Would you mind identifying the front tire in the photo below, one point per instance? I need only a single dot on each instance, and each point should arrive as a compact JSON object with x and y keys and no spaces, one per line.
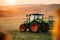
{"x":23,"y":28}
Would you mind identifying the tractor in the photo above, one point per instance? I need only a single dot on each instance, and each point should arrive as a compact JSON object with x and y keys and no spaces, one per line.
{"x":35,"y":23}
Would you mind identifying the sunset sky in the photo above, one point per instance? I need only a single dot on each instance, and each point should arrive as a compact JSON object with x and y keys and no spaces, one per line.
{"x":18,"y":2}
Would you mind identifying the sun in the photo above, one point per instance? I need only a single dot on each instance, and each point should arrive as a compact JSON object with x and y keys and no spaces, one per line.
{"x":10,"y":2}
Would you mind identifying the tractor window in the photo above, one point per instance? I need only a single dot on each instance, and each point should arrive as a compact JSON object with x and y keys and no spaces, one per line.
{"x":31,"y":18}
{"x":40,"y":17}
{"x":36,"y":17}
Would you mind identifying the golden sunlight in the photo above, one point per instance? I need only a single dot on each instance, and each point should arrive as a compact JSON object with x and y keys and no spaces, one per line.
{"x":10,"y":2}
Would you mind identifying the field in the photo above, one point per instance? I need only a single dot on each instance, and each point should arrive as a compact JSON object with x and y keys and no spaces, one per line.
{"x":13,"y":26}
{"x":17,"y":35}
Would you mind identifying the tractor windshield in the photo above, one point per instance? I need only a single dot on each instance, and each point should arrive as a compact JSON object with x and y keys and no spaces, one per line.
{"x":35,"y":17}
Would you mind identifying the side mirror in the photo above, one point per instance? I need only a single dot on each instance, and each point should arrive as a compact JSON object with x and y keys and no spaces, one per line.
{"x":26,"y":15}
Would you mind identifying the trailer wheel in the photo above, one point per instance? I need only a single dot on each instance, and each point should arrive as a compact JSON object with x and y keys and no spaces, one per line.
{"x":22,"y":28}
{"x":34,"y":27}
{"x":44,"y":28}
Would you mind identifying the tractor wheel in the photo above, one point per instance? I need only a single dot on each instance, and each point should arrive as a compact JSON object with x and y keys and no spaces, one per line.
{"x":44,"y":28}
{"x":34,"y":27}
{"x":22,"y":28}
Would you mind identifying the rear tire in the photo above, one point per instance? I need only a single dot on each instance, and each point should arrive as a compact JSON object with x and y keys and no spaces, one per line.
{"x":34,"y":27}
{"x":23,"y":28}
{"x":44,"y":28}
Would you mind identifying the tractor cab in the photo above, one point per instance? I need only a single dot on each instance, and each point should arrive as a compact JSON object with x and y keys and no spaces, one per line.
{"x":34,"y":17}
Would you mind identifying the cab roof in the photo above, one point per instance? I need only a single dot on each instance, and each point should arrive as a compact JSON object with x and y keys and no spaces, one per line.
{"x":35,"y":14}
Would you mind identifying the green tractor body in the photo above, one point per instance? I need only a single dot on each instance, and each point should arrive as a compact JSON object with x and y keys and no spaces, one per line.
{"x":35,"y":23}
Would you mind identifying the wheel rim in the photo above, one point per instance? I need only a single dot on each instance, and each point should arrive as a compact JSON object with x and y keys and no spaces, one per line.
{"x":34,"y":27}
{"x":44,"y":27}
{"x":22,"y":28}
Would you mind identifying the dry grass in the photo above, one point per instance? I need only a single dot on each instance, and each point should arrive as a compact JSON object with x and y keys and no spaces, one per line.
{"x":12,"y":25}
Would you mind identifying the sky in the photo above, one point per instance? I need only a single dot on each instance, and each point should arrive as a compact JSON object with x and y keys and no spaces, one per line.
{"x":19,"y":2}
